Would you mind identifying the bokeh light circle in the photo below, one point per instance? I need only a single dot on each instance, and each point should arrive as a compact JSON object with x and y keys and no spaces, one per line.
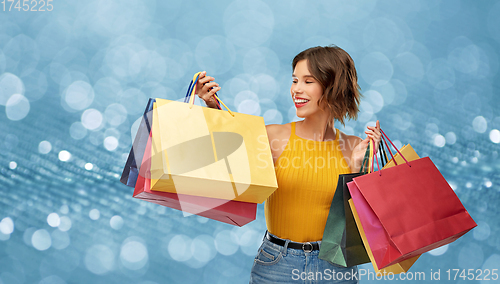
{"x":99,"y":259}
{"x":44,"y":147}
{"x":17,"y":107}
{"x":116,"y":222}
{"x":91,"y":119}
{"x":41,"y":240}
{"x":53,"y":220}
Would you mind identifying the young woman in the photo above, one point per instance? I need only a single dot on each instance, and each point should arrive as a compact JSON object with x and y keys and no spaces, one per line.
{"x":308,"y":156}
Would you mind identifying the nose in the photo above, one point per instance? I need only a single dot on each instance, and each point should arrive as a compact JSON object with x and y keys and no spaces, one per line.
{"x":294,"y":90}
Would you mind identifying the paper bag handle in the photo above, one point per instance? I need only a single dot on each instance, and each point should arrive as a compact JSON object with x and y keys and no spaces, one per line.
{"x":191,"y":94}
{"x":374,"y":154}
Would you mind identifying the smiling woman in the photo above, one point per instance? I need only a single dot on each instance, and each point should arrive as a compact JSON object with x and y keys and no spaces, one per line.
{"x":308,"y":156}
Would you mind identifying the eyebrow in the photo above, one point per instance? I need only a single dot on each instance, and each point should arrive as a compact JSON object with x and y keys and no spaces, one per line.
{"x":311,"y":76}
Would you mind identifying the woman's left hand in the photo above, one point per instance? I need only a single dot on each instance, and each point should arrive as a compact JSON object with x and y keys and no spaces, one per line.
{"x":358,"y":153}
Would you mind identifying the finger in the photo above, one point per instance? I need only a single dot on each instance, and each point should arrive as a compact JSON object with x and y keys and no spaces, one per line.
{"x":210,"y":85}
{"x":206,"y":79}
{"x":202,"y":74}
{"x":378,"y":125}
{"x":214,"y":90}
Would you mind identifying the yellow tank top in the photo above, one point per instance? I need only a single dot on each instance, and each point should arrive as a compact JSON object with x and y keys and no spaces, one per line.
{"x":307,"y":172}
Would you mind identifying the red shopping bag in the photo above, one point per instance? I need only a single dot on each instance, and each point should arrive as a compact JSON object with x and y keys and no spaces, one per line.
{"x":407,"y":210}
{"x":231,"y":212}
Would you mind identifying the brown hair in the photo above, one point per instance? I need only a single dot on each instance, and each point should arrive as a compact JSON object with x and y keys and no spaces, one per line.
{"x":334,"y":69}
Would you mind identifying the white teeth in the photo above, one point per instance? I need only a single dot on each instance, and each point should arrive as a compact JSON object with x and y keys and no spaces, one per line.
{"x":301,"y":101}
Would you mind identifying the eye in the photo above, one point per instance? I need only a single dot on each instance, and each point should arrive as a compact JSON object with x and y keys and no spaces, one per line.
{"x":294,"y":81}
{"x":309,"y":82}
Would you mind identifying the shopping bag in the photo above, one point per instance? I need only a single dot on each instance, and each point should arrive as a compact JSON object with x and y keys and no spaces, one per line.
{"x":414,"y":207}
{"x":341,"y":243}
{"x":397,"y":268}
{"x":212,"y":153}
{"x":403,"y":266}
{"x":134,"y":159}
{"x":231,"y":212}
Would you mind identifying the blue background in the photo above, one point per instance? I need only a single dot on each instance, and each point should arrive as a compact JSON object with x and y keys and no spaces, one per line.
{"x":74,"y":81}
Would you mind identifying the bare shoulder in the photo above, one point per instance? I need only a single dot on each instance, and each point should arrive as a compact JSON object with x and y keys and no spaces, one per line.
{"x":278,"y":131}
{"x":349,"y":141}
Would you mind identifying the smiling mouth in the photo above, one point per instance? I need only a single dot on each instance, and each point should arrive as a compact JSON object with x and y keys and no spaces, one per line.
{"x":300,"y":102}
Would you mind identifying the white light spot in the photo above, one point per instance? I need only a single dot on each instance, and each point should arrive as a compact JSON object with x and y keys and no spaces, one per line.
{"x":273,"y":116}
{"x":10,"y":85}
{"x":439,"y":251}
{"x":468,"y":185}
{"x":65,"y":223}
{"x":439,"y":140}
{"x":226,"y":242}
{"x":44,"y":147}
{"x":133,"y":254}
{"x":12,"y":165}
{"x":116,"y":222}
{"x":453,"y":185}
{"x":64,"y":209}
{"x":376,"y":100}
{"x":488,"y":183}
{"x":115,"y":114}
{"x":77,"y":130}
{"x":91,"y":119}
{"x":17,"y":107}
{"x":450,"y":138}
{"x":64,"y":156}
{"x":99,"y":259}
{"x":79,"y":95}
{"x":454,"y":160}
{"x":7,"y":226}
{"x":94,"y":214}
{"x":482,"y":231}
{"x":89,"y":166}
{"x":53,"y":220}
{"x":110,"y":143}
{"x":28,"y":233}
{"x":376,"y":68}
{"x":202,"y":248}
{"x":249,"y":107}
{"x":41,"y":240}
{"x":249,"y":242}
{"x":201,"y":219}
{"x":479,"y":124}
{"x":179,"y":248}
{"x":60,"y":239}
{"x":495,"y":136}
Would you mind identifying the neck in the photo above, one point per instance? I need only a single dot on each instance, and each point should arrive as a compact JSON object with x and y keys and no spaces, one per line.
{"x":316,"y":126}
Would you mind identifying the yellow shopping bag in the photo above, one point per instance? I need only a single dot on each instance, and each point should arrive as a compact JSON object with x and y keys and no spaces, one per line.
{"x":211,"y":153}
{"x":403,"y":266}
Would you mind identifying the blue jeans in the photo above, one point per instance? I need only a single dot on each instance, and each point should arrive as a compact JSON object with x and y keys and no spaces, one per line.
{"x":280,"y":264}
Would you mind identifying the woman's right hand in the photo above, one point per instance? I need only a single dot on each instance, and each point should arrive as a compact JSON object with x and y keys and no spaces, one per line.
{"x":206,"y":88}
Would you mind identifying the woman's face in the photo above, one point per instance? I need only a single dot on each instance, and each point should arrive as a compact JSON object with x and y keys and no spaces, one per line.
{"x":305,"y":90}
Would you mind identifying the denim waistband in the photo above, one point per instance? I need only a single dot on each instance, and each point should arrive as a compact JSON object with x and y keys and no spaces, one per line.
{"x":289,"y":250}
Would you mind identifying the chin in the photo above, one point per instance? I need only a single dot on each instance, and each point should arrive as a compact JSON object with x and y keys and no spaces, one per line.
{"x":300,"y":114}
